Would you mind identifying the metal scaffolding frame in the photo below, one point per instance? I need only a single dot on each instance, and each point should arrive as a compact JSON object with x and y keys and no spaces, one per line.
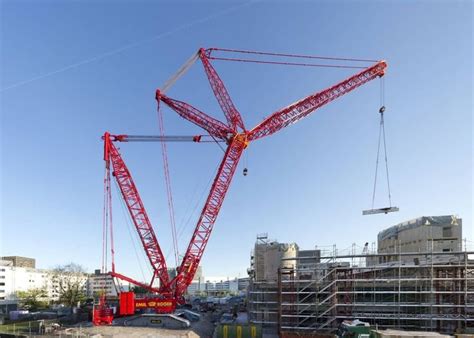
{"x":435,"y":293}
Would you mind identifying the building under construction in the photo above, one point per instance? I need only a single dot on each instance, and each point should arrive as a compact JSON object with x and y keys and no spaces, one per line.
{"x":429,"y":287}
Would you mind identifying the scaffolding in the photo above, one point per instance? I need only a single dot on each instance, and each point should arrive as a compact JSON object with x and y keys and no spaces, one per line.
{"x":431,"y":291}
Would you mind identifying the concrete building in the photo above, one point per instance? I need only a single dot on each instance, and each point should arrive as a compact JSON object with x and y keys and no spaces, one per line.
{"x":99,"y":283}
{"x":423,"y":234}
{"x":267,"y":259}
{"x":198,"y":285}
{"x":268,"y":256}
{"x":15,"y":278}
{"x":19,"y":261}
{"x":420,"y":278}
{"x":243,"y":284}
{"x":3,"y":276}
{"x":230,"y":285}
{"x":306,"y":263}
{"x":221,"y":287}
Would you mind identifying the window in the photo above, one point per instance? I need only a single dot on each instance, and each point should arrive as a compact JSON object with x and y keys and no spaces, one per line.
{"x":446,"y":250}
{"x":447,"y":232}
{"x":2,"y":283}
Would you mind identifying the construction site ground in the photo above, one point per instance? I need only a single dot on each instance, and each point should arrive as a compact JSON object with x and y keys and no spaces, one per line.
{"x":201,"y":328}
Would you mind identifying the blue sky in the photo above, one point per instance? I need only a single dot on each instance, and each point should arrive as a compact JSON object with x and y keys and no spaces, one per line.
{"x":72,"y":70}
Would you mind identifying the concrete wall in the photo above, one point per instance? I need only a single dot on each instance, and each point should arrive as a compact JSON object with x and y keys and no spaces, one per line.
{"x":19,"y":261}
{"x":98,"y":283}
{"x":268,"y":259}
{"x":423,"y":234}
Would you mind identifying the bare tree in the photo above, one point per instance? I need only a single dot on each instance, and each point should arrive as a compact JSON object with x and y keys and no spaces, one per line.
{"x":70,"y":282}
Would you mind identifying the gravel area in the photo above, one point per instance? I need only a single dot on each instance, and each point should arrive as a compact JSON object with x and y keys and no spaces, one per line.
{"x":202,"y":328}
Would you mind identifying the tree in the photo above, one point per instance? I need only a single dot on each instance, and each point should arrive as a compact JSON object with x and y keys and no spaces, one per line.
{"x":33,"y":299}
{"x":138,"y":290}
{"x":70,"y":282}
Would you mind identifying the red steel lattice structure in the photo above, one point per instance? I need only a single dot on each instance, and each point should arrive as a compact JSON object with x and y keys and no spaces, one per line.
{"x":137,"y":212}
{"x":237,"y":138}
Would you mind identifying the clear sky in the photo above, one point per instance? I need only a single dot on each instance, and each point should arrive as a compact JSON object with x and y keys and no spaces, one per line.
{"x":71,"y":70}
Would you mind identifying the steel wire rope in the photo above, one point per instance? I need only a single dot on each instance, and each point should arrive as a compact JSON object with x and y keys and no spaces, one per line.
{"x":301,"y":56}
{"x":104,"y":222}
{"x":133,"y":238}
{"x":382,"y":84}
{"x":286,"y":63}
{"x":183,"y":226}
{"x":169,"y":191}
{"x":381,"y":139}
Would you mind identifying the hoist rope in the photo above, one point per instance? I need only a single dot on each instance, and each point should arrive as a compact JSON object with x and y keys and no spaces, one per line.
{"x":289,"y":55}
{"x":130,"y":227}
{"x":164,"y":154}
{"x":286,"y":63}
{"x":107,"y":225}
{"x":104,"y":223}
{"x":376,"y":166}
{"x":111,"y":223}
{"x":380,"y":139}
{"x":283,"y":55}
{"x":184,"y":224}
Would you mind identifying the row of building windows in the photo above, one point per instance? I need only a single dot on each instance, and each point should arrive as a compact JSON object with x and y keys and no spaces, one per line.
{"x":100,"y":287}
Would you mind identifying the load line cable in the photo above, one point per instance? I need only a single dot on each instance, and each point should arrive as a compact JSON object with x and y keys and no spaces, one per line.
{"x":104,"y":222}
{"x":184,"y":224}
{"x":380,"y":139}
{"x":377,"y":164}
{"x":286,"y":63}
{"x":289,"y":55}
{"x":164,"y":154}
{"x":107,"y":224}
{"x":132,"y":238}
{"x":382,"y":85}
{"x":298,"y":56}
{"x":111,"y":223}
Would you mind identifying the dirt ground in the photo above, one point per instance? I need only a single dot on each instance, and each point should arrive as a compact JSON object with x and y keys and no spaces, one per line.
{"x":122,"y":332}
{"x":202,"y":328}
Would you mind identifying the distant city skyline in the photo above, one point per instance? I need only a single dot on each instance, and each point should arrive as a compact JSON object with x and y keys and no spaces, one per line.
{"x":71,"y":71}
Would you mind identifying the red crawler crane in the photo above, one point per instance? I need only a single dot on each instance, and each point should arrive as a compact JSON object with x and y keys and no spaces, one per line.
{"x":237,"y":137}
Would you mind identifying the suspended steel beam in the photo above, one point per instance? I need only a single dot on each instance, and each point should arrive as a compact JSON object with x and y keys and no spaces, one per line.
{"x":380,"y":211}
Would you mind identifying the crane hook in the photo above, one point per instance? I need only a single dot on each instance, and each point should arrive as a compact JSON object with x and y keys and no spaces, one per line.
{"x":245,"y":171}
